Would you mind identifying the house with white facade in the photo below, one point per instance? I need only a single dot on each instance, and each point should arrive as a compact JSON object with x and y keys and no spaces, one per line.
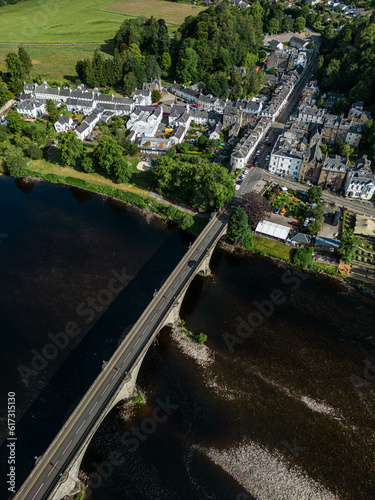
{"x":285,"y":158}
{"x":360,"y":181}
{"x":144,"y":120}
{"x":31,"y":108}
{"x":298,"y":43}
{"x":276,"y":44}
{"x":88,"y":124}
{"x":142,"y":97}
{"x":215,"y":131}
{"x":311,"y":114}
{"x":186,"y":93}
{"x":244,"y":149}
{"x":63,"y":124}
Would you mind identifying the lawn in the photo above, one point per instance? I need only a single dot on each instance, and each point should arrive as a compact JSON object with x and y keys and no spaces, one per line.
{"x":44,"y":167}
{"x":271,"y":247}
{"x":83,"y":21}
{"x":58,"y":21}
{"x":173,"y":13}
{"x":52,"y":63}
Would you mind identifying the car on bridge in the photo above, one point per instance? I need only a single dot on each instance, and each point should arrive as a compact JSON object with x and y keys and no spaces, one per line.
{"x":175,"y":202}
{"x":192,"y":263}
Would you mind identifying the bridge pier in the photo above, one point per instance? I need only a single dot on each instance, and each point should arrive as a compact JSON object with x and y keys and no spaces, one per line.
{"x":204,"y":267}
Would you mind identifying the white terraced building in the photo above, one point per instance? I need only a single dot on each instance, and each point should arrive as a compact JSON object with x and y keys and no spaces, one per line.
{"x":31,"y":108}
{"x":144,"y":121}
{"x":285,"y":159}
{"x":360,"y":182}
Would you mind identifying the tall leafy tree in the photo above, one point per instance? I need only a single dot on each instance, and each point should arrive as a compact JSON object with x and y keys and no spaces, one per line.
{"x":15,"y":163}
{"x":98,"y":68}
{"x":302,"y":257}
{"x":256,"y":207}
{"x":315,"y":193}
{"x":349,"y":245}
{"x":25,"y":59}
{"x":70,"y":147}
{"x":3,"y":93}
{"x":238,"y":226}
{"x":15,"y":121}
{"x":14,"y":67}
{"x":108,"y":154}
{"x":52,"y":110}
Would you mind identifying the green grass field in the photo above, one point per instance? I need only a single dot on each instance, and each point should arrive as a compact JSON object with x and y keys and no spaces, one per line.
{"x":271,"y":247}
{"x":172,"y":12}
{"x":81,"y":21}
{"x":52,"y":63}
{"x":85,"y":22}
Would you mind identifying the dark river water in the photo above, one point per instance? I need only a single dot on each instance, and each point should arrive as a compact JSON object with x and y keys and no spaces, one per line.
{"x":288,"y":395}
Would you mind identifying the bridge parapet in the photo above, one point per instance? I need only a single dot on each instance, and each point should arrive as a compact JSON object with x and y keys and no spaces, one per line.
{"x":69,"y":482}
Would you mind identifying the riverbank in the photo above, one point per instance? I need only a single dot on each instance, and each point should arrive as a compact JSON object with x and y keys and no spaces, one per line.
{"x":135,"y":197}
{"x":318,"y":270}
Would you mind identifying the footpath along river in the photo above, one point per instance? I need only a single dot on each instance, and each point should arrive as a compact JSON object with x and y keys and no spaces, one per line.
{"x":278,"y":405}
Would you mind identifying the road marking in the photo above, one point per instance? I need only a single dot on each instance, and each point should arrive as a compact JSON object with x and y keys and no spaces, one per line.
{"x":92,"y":408}
{"x":70,"y":442}
{"x":144,"y":330}
{"x":40,"y":487}
{"x":105,"y":390}
{"x":52,"y":469}
{"x":154,"y":316}
{"x":116,"y":372}
{"x":79,"y":428}
{"x":160,"y":306}
{"x":136,"y":344}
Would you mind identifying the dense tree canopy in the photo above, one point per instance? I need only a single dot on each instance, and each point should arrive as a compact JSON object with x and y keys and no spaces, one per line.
{"x":108,"y":155}
{"x":255,"y":206}
{"x":303,"y":257}
{"x":238,"y":226}
{"x":202,"y":186}
{"x":15,"y":121}
{"x":347,"y":61}
{"x":315,"y":193}
{"x":70,"y":147}
{"x":15,"y":163}
{"x":349,"y":245}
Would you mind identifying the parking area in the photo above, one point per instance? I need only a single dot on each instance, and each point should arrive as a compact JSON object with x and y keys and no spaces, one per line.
{"x":285,"y":37}
{"x":282,"y":219}
{"x":329,"y":231}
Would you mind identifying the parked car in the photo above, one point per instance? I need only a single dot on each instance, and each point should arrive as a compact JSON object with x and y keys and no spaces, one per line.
{"x":294,"y":223}
{"x":237,"y":187}
{"x":239,"y":182}
{"x":267,"y":157}
{"x":246,"y":172}
{"x":190,"y":208}
{"x":175,"y":202}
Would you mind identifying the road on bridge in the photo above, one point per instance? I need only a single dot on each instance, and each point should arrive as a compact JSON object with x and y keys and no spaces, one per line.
{"x":52,"y":466}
